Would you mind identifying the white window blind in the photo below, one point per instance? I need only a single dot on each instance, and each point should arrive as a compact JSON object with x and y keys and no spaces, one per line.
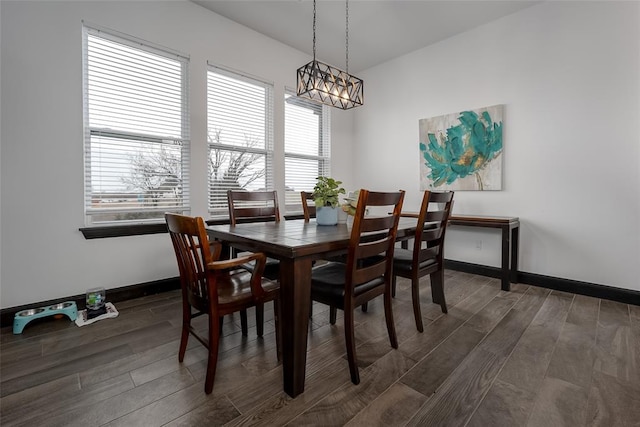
{"x":240,"y":136}
{"x":136,"y":130}
{"x":306,"y":146}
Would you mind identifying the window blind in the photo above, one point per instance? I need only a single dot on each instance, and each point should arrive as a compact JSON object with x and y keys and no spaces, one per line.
{"x":136,"y":130}
{"x":240,"y":135}
{"x":306,"y":145}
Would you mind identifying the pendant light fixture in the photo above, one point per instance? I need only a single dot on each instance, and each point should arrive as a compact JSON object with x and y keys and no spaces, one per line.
{"x":330,"y":85}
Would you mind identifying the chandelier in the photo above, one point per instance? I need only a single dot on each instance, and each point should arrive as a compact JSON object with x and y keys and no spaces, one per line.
{"x":330,"y":85}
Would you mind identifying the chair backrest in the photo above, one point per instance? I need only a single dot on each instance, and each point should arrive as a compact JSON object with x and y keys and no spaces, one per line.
{"x":193,"y":252}
{"x":253,"y":206}
{"x":373,"y":238}
{"x":308,"y":205}
{"x":432,"y":225}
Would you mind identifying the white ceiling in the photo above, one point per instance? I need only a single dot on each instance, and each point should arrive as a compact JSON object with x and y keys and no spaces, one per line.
{"x":379,"y":30}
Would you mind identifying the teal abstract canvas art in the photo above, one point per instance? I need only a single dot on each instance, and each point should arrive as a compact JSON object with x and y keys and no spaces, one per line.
{"x":462,"y":151}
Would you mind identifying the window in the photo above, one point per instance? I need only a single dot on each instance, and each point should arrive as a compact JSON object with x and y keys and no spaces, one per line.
{"x":240,"y":136}
{"x":136,"y":130}
{"x":306,"y":146}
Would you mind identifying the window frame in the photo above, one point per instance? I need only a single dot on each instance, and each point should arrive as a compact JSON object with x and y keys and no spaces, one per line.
{"x":107,"y":228}
{"x":323,"y":142}
{"x":217,"y":213}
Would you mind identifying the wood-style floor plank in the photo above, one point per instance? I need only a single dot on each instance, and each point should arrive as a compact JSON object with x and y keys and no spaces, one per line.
{"x":394,"y":406}
{"x":559,"y":403}
{"x":421,"y":344}
{"x":68,"y":366}
{"x":280,"y":409}
{"x":64,"y":402}
{"x":574,"y":355}
{"x":528,"y":363}
{"x":462,"y":392}
{"x":20,"y":350}
{"x":458,"y":397}
{"x":634,"y":313}
{"x":172,"y":406}
{"x":529,"y":356}
{"x":214,"y":412}
{"x":504,"y":405}
{"x":38,"y":398}
{"x":616,"y":343}
{"x":432,"y":370}
{"x":345,"y":403}
{"x":613,"y":402}
{"x":122,"y":404}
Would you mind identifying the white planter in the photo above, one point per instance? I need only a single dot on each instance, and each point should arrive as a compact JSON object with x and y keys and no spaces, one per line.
{"x":326,"y":215}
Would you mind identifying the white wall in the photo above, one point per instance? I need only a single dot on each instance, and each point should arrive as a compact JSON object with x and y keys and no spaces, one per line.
{"x":44,"y":256}
{"x":568,"y":74}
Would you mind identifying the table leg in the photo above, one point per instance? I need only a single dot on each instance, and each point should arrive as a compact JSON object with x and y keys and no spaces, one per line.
{"x":295,"y":293}
{"x":506,"y":251}
{"x":515,"y":237}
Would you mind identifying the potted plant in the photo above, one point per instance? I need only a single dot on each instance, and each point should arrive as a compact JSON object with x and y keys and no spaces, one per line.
{"x":325,"y":197}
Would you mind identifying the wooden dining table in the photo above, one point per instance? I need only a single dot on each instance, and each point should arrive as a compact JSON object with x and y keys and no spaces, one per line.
{"x":296,"y":244}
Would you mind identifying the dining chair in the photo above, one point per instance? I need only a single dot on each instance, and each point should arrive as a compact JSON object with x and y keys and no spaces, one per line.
{"x":368,"y":270}
{"x":427,"y":255}
{"x":309,"y":211}
{"x":255,"y":206}
{"x":215,"y":287}
{"x":308,"y":205}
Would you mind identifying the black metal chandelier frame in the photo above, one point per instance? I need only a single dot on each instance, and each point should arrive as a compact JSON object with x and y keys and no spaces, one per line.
{"x":327,"y":84}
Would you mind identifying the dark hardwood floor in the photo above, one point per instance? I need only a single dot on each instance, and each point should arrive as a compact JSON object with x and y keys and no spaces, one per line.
{"x":526,"y":357}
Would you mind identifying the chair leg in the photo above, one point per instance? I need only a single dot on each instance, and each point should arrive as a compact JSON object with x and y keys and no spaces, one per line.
{"x":415,"y":297}
{"x":214,"y":336}
{"x":333,"y":314}
{"x":351,"y":345}
{"x":365,"y":307}
{"x":243,"y":323}
{"x":437,"y":289}
{"x":184,"y":337}
{"x":393,"y":285}
{"x":388,"y":316}
{"x":434,"y":294}
{"x":260,"y":319}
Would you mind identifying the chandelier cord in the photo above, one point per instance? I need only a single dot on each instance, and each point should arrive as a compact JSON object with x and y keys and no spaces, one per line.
{"x":347,"y":37}
{"x":314,"y":30}
{"x":327,"y":85}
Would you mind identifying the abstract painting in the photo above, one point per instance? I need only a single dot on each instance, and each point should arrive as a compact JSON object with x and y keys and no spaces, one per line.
{"x":462,"y":151}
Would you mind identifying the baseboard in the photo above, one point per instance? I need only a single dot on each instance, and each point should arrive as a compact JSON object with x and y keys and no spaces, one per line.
{"x":467,"y":267}
{"x":113,"y":295}
{"x":626,"y":296}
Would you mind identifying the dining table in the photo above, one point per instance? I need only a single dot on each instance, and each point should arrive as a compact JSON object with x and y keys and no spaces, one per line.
{"x":296,"y":244}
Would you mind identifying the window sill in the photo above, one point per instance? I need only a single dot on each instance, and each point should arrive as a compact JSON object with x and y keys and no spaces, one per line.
{"x":102,"y":232}
{"x":294,"y":215}
{"x":106,"y":231}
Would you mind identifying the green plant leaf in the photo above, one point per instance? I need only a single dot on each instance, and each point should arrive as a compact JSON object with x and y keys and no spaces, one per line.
{"x":326,"y":191}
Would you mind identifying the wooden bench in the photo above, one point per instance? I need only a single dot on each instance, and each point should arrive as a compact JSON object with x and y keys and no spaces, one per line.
{"x":510,"y":227}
